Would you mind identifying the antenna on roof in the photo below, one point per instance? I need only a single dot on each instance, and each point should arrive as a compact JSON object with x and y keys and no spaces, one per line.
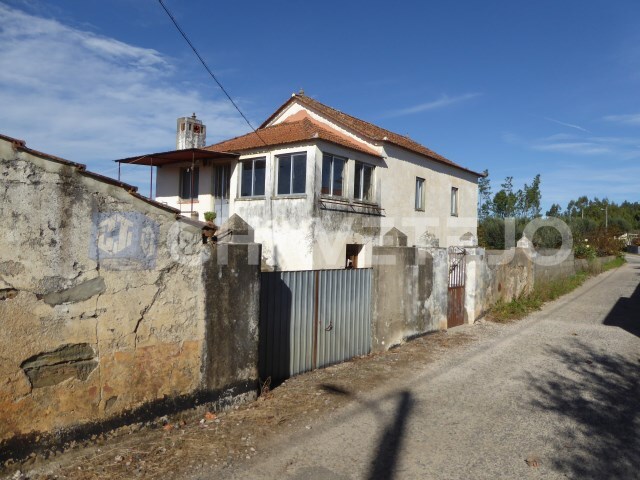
{"x":301,"y":92}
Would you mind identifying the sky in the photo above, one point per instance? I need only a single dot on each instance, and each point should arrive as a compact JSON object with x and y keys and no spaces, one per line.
{"x":518,"y":88}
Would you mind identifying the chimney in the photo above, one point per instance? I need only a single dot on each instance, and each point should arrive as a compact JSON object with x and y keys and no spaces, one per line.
{"x":192,"y":133}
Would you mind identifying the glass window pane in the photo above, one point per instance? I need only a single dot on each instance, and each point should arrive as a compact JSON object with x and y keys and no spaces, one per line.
{"x":454,"y":201}
{"x":284,"y":175}
{"x":419,"y":194}
{"x":338,"y":176}
{"x":196,"y":181}
{"x":299,"y":173}
{"x":326,"y":174}
{"x":367,"y":191}
{"x":259,"y":169}
{"x":185,"y":187}
{"x":356,"y":182}
{"x":245,"y":183}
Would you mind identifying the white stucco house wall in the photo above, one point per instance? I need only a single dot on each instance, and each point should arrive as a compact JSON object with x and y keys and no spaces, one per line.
{"x":320,"y":188}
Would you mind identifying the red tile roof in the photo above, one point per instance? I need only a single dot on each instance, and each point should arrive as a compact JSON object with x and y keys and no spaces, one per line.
{"x":290,"y":132}
{"x":366,"y":129}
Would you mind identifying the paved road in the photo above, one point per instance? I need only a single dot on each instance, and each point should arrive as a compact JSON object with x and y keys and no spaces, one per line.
{"x":560,"y":389}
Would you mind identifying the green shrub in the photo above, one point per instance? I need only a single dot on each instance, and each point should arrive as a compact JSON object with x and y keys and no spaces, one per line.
{"x":605,"y":243}
{"x":582,"y":249}
{"x":547,"y":237}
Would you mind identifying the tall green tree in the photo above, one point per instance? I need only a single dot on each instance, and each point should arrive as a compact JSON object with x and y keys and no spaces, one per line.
{"x":532,"y":198}
{"x":554,"y":211}
{"x":505,"y":201}
{"x":485,"y":203}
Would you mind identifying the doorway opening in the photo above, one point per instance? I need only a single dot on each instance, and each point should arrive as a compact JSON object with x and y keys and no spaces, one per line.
{"x":352,"y":253}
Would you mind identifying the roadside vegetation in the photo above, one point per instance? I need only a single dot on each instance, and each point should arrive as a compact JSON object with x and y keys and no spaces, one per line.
{"x":597,"y":227}
{"x":503,"y":312}
{"x":596,"y":224}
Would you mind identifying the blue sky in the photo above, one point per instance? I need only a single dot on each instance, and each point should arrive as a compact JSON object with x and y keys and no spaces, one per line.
{"x":519,"y":88}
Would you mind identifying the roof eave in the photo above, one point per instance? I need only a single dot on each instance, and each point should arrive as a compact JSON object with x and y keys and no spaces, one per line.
{"x":434,"y":159}
{"x":244,"y":151}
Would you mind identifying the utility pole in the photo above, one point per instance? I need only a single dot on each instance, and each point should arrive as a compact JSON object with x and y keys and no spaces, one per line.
{"x":606,"y":217}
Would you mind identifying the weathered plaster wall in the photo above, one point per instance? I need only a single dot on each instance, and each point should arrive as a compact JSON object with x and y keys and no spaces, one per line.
{"x":503,"y":275}
{"x":495,"y":275}
{"x":106,"y":301}
{"x":280,"y":223}
{"x":409,"y":288}
{"x":595,"y":265}
{"x":398,"y":198}
{"x":547,"y":269}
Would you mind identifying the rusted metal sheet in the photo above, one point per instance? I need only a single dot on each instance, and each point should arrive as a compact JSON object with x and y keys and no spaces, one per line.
{"x":456,"y":292}
{"x":310,"y":319}
{"x":455,"y":313}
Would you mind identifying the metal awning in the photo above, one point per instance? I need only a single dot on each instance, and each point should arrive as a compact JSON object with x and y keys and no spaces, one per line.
{"x":174,"y":157}
{"x":177,"y":156}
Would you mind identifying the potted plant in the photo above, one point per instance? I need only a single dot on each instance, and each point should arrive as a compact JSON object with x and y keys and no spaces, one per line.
{"x":209,"y":217}
{"x":209,"y":232}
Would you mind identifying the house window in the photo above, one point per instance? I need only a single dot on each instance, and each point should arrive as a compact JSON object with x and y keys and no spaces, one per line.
{"x":420,"y":194}
{"x":292,"y":173}
{"x":189,"y":178}
{"x":353,"y":252}
{"x":252,"y":177}
{"x":332,"y":175}
{"x":362,"y":182}
{"x":454,"y":202}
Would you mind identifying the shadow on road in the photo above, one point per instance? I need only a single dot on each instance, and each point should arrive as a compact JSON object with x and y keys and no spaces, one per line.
{"x":599,"y":394}
{"x":386,"y":455}
{"x":626,"y":313}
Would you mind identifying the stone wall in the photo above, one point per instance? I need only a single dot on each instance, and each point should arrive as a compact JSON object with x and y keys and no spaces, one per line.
{"x":493,"y":276}
{"x":110,"y":303}
{"x":595,"y":265}
{"x":409,"y":293}
{"x":547,"y":269}
{"x":503,"y":275}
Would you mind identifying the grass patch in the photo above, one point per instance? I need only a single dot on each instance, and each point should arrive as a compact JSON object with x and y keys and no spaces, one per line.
{"x":526,"y":304}
{"x":615,"y":263}
{"x":522,"y":306}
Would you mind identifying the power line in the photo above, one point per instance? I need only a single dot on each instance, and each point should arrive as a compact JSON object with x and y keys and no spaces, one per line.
{"x":204,"y":64}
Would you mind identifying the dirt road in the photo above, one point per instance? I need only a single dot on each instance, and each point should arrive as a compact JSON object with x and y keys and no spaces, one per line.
{"x":556,"y":395}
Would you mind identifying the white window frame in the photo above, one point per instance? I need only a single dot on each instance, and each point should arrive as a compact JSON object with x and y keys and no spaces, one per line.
{"x":331,"y":170}
{"x":359,"y":196}
{"x":291,"y":156}
{"x":252,"y":161}
{"x":454,"y":201}
{"x":419,"y":200}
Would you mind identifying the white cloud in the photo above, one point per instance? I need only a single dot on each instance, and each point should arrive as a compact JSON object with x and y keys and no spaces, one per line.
{"x":570,"y":125}
{"x":618,"y":182}
{"x":628,"y":119}
{"x":92,"y":99}
{"x":443,"y":101}
{"x":622,"y":148}
{"x":574,"y":148}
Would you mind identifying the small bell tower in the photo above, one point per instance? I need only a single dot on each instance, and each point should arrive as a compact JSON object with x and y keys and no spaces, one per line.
{"x":192,"y":133}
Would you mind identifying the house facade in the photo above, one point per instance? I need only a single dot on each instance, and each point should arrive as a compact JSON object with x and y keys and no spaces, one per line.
{"x":320,"y":188}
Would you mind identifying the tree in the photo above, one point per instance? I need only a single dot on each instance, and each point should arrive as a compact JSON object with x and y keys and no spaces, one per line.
{"x":554,"y":211}
{"x":505,"y":201}
{"x":532,"y":197}
{"x":485,"y":204}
